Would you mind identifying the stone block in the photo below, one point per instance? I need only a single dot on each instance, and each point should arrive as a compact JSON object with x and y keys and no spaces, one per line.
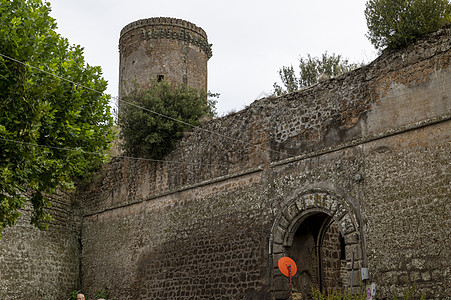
{"x":283,"y":222}
{"x":350,"y":249}
{"x":278,"y":248}
{"x":351,"y":238}
{"x":278,"y":235}
{"x":276,"y":257}
{"x":282,"y":294}
{"x":310,"y":201}
{"x":346,"y":224}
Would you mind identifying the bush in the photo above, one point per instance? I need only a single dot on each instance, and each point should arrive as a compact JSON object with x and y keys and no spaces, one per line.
{"x":336,"y":295}
{"x":408,"y":293}
{"x":395,"y":23}
{"x":310,"y":70}
{"x":146,"y":131}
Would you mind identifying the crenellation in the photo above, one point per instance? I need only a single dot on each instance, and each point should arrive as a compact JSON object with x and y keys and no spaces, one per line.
{"x":174,"y":50}
{"x":164,"y":22}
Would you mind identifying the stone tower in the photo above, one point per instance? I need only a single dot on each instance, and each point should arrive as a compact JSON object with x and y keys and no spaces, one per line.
{"x":163,"y":48}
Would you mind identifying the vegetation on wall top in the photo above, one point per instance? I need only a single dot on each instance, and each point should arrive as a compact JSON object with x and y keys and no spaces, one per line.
{"x":158,"y":118}
{"x":310,"y":71}
{"x":394,"y":23}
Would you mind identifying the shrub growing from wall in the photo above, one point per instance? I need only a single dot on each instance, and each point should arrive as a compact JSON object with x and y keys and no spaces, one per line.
{"x":152,"y":120}
{"x":395,"y":23}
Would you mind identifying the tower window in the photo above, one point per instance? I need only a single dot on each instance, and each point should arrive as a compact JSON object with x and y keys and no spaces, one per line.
{"x":160,"y":78}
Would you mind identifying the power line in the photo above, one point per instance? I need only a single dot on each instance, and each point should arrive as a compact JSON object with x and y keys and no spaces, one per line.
{"x":196,"y":127}
{"x":100,"y":154}
{"x":146,"y":109}
{"x":52,"y":74}
{"x":51,"y":147}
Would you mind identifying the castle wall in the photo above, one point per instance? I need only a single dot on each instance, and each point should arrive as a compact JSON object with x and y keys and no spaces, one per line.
{"x":42,"y":264}
{"x":371,"y":149}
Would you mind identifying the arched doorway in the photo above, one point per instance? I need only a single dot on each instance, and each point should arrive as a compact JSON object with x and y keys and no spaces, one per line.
{"x":320,"y":231}
{"x":319,"y":249}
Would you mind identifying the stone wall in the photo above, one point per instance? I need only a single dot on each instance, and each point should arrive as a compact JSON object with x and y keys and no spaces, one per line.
{"x":332,"y":259}
{"x":190,"y":244}
{"x":42,"y":264}
{"x":370,"y":149}
{"x":408,"y":217}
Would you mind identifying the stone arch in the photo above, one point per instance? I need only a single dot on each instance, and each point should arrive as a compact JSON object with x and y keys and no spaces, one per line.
{"x":299,"y":208}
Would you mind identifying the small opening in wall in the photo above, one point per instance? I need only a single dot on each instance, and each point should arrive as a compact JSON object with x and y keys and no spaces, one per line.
{"x":342,"y":248}
{"x":160,"y":78}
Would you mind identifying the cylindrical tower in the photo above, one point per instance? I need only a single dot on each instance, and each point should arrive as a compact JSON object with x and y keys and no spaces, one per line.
{"x":163,"y":49}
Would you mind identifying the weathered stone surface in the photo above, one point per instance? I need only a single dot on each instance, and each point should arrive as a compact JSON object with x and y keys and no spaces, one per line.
{"x":206,"y":227}
{"x":38,"y":264}
{"x":163,"y":48}
{"x":201,"y":228}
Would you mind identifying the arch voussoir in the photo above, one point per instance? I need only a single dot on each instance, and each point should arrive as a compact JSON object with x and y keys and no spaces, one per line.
{"x":346,"y":224}
{"x":306,"y":204}
{"x":279,"y":234}
{"x":291,"y":211}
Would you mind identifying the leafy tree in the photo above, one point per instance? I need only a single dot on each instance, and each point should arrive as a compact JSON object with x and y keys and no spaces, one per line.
{"x":212,"y":101}
{"x":395,"y":23}
{"x":311,"y":68}
{"x":144,"y":129}
{"x":43,"y":116}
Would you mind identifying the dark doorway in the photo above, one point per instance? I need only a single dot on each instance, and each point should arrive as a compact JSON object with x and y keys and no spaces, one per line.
{"x":318,"y":250}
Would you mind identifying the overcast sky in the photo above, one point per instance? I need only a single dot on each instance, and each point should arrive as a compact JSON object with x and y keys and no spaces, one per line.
{"x":251,"y":39}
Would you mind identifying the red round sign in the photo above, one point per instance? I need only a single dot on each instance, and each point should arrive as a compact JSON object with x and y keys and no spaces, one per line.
{"x":283,"y":264}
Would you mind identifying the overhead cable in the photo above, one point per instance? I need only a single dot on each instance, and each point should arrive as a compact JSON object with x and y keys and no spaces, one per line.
{"x":100,"y":154}
{"x":146,"y":109}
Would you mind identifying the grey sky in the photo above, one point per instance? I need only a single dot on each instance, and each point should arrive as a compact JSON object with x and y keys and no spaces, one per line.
{"x":251,"y":39}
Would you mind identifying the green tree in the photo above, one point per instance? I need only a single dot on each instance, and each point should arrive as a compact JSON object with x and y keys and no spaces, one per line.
{"x":310,"y":69}
{"x":145,"y":130}
{"x":43,"y":116}
{"x":395,"y":23}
